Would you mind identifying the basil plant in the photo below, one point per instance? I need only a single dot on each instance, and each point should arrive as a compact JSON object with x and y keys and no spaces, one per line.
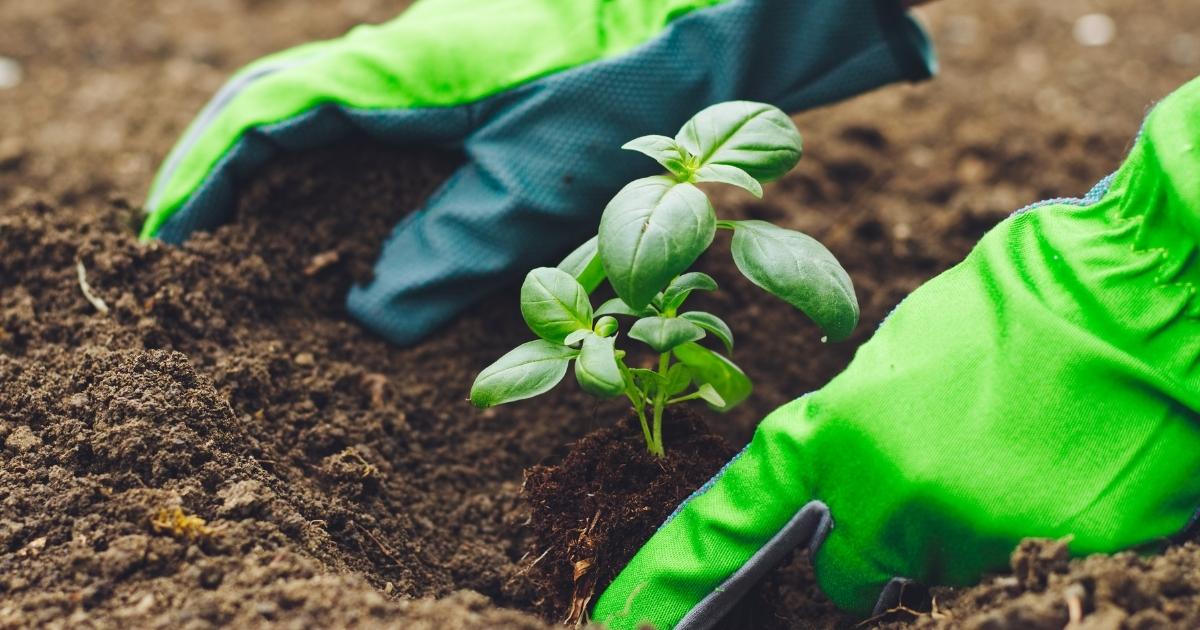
{"x":651,"y":232}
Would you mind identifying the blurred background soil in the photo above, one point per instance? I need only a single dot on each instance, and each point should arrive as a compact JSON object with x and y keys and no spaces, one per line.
{"x":341,"y":478}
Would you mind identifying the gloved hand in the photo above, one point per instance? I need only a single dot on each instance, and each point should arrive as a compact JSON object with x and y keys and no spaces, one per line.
{"x":540,"y":95}
{"x":1047,"y":386}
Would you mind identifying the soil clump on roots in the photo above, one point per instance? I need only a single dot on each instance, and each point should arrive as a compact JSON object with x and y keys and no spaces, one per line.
{"x":594,"y":509}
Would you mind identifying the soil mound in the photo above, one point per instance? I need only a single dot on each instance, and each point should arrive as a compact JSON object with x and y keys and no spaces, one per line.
{"x":209,"y":441}
{"x":593,"y":510}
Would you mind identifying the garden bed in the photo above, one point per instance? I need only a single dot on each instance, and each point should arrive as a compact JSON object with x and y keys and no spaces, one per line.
{"x":336,"y":476}
{"x":344,"y":482}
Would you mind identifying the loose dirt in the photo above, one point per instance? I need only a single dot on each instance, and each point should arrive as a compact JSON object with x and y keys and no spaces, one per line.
{"x":343,"y":482}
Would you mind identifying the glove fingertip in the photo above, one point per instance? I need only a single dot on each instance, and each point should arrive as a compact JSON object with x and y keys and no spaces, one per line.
{"x":211,"y":203}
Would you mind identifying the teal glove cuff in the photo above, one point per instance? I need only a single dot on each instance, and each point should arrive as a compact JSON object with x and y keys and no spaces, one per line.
{"x":540,"y":95}
{"x":1047,"y":386}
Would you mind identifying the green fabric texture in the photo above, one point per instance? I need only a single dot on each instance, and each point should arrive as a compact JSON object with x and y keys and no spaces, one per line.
{"x":1048,"y":385}
{"x":410,"y":62}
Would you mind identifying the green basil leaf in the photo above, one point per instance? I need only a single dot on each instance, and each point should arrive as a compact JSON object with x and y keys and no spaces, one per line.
{"x":528,"y":370}
{"x":664,"y":150}
{"x":664,"y":333}
{"x":652,"y":231}
{"x":605,"y":326}
{"x":709,"y":367}
{"x":647,"y":380}
{"x":799,"y":270}
{"x":596,"y":368}
{"x":617,"y":306}
{"x":554,"y":304}
{"x":712,"y":324}
{"x":726,"y":174}
{"x":754,"y":137}
{"x":710,"y":395}
{"x":576,"y":336}
{"x":631,"y":384}
{"x":584,"y":264}
{"x":681,"y":287}
{"x":678,"y":379}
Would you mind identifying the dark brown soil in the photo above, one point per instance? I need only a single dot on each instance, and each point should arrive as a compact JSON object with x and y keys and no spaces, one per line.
{"x":347,"y":483}
{"x":1046,"y":591}
{"x":225,"y":382}
{"x":592,"y":511}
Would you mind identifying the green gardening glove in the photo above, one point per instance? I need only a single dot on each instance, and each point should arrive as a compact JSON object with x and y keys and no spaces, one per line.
{"x":539,"y":96}
{"x":1047,"y":386}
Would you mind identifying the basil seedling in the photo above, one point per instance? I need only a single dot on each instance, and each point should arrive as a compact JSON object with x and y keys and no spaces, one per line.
{"x":651,"y":232}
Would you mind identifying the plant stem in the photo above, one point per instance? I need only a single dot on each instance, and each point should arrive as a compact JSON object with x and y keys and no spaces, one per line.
{"x":637,"y":398}
{"x":639,"y":407}
{"x":641,"y":412}
{"x":660,"y":403}
{"x":691,"y":396}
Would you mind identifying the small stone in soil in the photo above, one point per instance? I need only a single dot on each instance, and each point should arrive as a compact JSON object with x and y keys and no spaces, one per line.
{"x":10,"y":73}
